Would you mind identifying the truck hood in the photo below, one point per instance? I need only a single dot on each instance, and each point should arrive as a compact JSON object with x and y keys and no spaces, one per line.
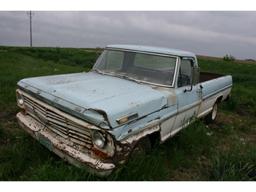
{"x":82,"y":92}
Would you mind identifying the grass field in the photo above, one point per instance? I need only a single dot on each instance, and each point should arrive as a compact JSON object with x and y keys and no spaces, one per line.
{"x":225,"y":150}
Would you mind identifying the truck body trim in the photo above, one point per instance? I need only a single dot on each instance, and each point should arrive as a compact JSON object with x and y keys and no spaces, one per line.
{"x":216,"y":92}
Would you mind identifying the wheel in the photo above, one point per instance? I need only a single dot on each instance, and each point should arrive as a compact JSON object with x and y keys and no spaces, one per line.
{"x":141,"y":148}
{"x":212,"y":115}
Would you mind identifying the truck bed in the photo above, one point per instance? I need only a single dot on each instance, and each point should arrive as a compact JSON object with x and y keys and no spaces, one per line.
{"x":206,"y":76}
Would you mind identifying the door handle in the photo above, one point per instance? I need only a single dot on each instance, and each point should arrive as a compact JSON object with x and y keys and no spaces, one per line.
{"x":200,"y":89}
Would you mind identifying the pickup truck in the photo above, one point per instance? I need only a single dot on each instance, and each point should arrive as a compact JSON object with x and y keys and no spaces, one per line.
{"x":133,"y":97}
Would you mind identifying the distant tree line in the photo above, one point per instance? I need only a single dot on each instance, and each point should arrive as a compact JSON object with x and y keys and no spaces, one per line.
{"x":229,"y":57}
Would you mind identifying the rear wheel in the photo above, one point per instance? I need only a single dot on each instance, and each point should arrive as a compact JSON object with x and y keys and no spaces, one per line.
{"x":212,"y":115}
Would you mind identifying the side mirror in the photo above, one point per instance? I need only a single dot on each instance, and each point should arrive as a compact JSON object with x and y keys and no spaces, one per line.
{"x":196,"y":75}
{"x":191,"y":79}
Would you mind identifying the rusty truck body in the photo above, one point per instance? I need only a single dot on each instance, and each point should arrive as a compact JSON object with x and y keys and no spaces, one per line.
{"x":132,"y":94}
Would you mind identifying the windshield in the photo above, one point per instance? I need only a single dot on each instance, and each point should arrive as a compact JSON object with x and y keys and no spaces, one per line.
{"x":137,"y":66}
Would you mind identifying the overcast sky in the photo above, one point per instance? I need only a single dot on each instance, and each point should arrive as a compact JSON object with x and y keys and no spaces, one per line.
{"x":205,"y":33}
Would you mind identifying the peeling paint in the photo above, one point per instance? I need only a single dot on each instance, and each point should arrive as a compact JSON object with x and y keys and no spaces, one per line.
{"x":37,"y":130}
{"x":153,"y":127}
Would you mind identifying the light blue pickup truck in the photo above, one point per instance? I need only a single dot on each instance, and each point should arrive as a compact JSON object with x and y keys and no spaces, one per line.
{"x":133,"y":97}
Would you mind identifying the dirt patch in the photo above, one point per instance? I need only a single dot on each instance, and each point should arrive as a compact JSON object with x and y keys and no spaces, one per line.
{"x":184,"y":174}
{"x":243,"y":127}
{"x":227,"y":119}
{"x":243,"y":110}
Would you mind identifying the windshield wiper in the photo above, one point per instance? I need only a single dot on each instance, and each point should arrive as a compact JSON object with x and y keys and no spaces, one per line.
{"x":128,"y":78}
{"x":117,"y":75}
{"x":98,"y":71}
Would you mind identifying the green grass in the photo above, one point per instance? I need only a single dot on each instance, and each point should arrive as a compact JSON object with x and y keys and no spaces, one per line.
{"x":225,"y":150}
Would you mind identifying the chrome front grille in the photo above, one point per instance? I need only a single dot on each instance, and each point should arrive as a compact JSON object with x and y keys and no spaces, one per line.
{"x":59,"y":122}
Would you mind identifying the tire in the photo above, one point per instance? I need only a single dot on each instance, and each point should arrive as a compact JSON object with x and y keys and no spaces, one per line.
{"x":141,"y":148}
{"x":211,"y":117}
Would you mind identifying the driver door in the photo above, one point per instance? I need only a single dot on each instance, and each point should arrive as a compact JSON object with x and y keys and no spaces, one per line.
{"x":188,"y":95}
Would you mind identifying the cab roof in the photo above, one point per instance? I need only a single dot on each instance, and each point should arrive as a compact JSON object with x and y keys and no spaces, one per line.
{"x":150,"y":49}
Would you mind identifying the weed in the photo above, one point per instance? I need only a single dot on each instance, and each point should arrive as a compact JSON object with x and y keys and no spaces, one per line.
{"x":235,"y":165}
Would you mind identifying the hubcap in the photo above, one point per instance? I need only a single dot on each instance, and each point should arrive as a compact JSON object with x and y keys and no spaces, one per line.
{"x":214,"y":111}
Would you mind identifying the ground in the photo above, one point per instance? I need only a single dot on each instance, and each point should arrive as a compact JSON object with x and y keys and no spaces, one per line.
{"x":224,"y":150}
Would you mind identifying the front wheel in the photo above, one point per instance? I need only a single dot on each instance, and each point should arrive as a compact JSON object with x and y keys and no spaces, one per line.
{"x":142,"y":148}
{"x":212,"y":115}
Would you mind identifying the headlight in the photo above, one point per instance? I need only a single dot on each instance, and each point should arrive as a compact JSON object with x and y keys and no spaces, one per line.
{"x":98,"y":139}
{"x":103,"y":144}
{"x":20,"y":99}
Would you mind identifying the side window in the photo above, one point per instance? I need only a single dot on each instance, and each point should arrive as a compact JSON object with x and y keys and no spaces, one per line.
{"x":185,"y":72}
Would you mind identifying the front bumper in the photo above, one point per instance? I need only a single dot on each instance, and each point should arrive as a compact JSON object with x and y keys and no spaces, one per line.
{"x":66,"y":152}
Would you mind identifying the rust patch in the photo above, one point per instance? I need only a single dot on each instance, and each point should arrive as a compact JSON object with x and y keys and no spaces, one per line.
{"x":125,"y":147}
